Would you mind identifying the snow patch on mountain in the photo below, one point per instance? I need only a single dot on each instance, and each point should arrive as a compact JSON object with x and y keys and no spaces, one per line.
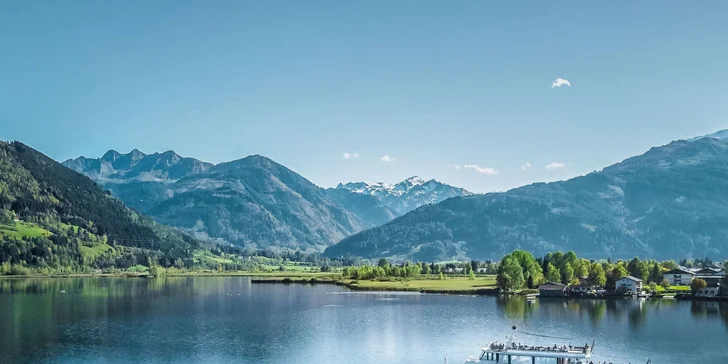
{"x":407,"y":195}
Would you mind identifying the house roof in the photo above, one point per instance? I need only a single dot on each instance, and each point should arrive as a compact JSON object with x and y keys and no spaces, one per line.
{"x":552,"y":286}
{"x":632,"y":279}
{"x":680,"y":271}
{"x":709,"y":270}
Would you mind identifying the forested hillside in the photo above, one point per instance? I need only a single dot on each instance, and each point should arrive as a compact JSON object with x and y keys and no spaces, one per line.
{"x":55,"y":219}
{"x":671,"y":202}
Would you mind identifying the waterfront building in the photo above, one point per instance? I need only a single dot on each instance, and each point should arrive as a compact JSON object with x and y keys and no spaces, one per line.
{"x":629,"y":284}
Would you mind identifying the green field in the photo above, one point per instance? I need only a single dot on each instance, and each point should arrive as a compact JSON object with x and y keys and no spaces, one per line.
{"x":92,"y":252}
{"x":21,"y":229}
{"x":291,"y":268}
{"x":680,"y":288}
{"x":207,"y":257}
{"x":449,"y":285}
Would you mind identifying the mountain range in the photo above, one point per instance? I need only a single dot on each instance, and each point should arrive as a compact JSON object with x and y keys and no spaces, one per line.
{"x":252,"y":201}
{"x":668,"y":203}
{"x":407,"y":195}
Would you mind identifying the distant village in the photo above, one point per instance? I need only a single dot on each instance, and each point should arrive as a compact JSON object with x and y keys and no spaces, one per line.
{"x":632,"y":286}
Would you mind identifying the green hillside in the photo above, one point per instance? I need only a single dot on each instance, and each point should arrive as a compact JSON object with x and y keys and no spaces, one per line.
{"x":53,"y":219}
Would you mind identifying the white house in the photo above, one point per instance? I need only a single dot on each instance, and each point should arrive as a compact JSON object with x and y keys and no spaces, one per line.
{"x":629,"y":284}
{"x":679,"y":277}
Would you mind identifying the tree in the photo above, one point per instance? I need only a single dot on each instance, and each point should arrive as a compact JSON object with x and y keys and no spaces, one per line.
{"x":696,"y":285}
{"x":653,"y":287}
{"x":656,"y":273}
{"x":510,"y":274}
{"x":471,"y":275}
{"x":5,"y":268}
{"x":665,"y":283}
{"x":597,"y":276}
{"x":638,"y":269}
{"x":581,"y":268}
{"x":619,"y":272}
{"x":567,"y":273}
{"x":529,"y":266}
{"x":474,"y":265}
{"x":442,"y":276}
{"x":552,"y":273}
{"x":669,"y":265}
{"x":384,"y":263}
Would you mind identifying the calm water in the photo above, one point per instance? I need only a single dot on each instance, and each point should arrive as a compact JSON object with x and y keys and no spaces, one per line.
{"x":230,"y":320}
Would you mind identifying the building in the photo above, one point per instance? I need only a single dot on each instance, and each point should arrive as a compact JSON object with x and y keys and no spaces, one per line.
{"x":553,"y":289}
{"x":583,"y":288}
{"x":713,"y":278}
{"x":712,"y":287}
{"x":679,"y":277}
{"x":482,"y":270}
{"x":629,"y":284}
{"x":454,"y":270}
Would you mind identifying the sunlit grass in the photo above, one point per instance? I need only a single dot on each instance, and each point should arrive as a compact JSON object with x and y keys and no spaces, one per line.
{"x":92,"y":252}
{"x":450,"y":284}
{"x":21,"y":229}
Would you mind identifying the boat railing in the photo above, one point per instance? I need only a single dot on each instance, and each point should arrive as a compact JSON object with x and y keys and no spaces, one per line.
{"x":500,"y":347}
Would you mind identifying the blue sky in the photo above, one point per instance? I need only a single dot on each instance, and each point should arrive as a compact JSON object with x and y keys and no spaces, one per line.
{"x":458,"y":91}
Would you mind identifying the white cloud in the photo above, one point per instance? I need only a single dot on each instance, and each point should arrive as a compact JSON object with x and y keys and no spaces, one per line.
{"x":482,"y":170}
{"x":350,"y":155}
{"x":526,"y":166}
{"x":555,"y":165}
{"x":457,"y":166}
{"x":560,"y":82}
{"x":387,"y":159}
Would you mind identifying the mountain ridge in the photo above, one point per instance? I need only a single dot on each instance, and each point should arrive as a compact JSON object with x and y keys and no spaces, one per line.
{"x":665,"y":203}
{"x":406,"y":195}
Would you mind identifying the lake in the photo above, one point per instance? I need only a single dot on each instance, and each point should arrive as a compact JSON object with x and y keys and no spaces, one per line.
{"x":230,"y":320}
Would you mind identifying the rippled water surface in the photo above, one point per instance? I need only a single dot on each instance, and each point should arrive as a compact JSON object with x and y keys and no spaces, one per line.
{"x":230,"y":320}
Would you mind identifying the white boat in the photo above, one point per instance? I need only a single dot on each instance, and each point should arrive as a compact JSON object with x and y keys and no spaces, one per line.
{"x":497,"y":352}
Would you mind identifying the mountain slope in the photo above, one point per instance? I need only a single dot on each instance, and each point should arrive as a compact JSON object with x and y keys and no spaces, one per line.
{"x":368,"y":208}
{"x":253,"y":201}
{"x":140,"y":180}
{"x":45,"y":194}
{"x":257,"y":202}
{"x":407,"y":195}
{"x":671,"y":202}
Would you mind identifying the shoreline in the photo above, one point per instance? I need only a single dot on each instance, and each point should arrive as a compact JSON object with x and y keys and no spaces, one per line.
{"x":314,"y":278}
{"x":181,"y":274}
{"x":388,"y":286}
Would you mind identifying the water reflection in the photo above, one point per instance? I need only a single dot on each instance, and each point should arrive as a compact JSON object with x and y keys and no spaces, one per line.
{"x":212,"y":319}
{"x":710,"y":310}
{"x":597,"y":310}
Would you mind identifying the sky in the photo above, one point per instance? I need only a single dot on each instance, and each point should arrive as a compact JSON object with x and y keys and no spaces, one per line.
{"x":485,"y":95}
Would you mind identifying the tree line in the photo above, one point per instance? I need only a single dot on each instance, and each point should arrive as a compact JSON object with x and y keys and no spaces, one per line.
{"x":521,"y":269}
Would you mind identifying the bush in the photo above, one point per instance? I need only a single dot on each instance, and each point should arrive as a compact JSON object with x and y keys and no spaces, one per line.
{"x":665,"y":283}
{"x":696,"y":285}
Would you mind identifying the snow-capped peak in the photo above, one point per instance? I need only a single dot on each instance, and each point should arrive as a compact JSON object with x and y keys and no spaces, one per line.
{"x":407,"y":195}
{"x":720,"y":134}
